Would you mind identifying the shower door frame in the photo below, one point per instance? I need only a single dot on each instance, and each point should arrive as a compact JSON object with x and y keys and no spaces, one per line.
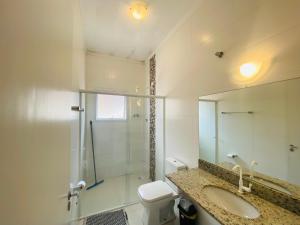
{"x":163,"y":98}
{"x":120,"y":94}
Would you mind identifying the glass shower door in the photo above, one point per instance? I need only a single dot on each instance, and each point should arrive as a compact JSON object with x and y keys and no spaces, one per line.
{"x":207,"y":131}
{"x":120,"y":135}
{"x":138,"y":147}
{"x":110,"y":139}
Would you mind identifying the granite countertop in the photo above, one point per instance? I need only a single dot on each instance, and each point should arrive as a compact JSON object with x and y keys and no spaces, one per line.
{"x":191,"y":183}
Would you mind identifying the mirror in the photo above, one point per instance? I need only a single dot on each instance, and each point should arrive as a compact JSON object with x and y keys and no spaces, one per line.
{"x":258,"y":128}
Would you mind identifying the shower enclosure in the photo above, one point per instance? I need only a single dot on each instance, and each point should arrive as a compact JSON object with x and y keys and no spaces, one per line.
{"x":121,"y":127}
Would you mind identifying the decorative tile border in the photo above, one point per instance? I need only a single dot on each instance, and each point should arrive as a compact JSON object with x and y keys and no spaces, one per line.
{"x":269,"y":194}
{"x":152,"y":117}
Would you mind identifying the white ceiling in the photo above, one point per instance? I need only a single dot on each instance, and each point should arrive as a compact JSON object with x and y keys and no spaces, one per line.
{"x":109,"y":29}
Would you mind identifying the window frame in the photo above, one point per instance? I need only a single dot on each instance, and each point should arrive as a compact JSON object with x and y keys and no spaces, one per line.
{"x":111,"y":119}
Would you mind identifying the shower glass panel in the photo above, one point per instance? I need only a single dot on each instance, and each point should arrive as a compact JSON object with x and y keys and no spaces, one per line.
{"x":120,"y":127}
{"x":208,"y":130}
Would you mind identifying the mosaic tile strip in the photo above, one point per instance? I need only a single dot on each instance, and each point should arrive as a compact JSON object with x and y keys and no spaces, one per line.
{"x":152,"y":117}
{"x":283,"y":200}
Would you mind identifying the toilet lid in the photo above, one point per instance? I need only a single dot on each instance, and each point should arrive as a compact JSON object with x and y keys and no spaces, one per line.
{"x":155,"y":191}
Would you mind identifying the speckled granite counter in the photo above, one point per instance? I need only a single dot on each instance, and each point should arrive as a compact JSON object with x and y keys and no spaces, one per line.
{"x":192,"y":182}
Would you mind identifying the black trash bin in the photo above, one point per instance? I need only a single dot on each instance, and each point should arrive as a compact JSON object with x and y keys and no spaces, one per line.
{"x":187,"y":212}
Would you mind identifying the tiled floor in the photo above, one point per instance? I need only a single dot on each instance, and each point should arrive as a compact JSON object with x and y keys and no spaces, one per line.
{"x":113,"y":192}
{"x":135,"y":213}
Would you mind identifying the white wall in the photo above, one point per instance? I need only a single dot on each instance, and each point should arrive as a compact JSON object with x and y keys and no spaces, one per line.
{"x":41,"y":64}
{"x":258,"y":30}
{"x":109,"y":73}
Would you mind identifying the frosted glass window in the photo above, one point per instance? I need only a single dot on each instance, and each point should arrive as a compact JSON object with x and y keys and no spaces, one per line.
{"x":110,"y":107}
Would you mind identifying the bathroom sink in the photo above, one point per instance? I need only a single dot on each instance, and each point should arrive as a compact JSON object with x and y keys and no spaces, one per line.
{"x":272,"y":185}
{"x":230,"y":202}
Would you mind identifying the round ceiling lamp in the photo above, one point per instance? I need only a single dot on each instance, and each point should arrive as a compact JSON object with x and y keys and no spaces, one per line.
{"x":138,"y":10}
{"x":249,"y":69}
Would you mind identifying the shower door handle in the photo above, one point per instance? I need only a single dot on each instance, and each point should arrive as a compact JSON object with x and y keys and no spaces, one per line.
{"x":77,"y":108}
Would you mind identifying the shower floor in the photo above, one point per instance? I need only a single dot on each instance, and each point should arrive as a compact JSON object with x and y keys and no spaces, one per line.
{"x":112,"y":193}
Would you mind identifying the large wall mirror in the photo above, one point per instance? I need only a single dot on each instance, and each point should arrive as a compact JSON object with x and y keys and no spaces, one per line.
{"x":258,"y":128}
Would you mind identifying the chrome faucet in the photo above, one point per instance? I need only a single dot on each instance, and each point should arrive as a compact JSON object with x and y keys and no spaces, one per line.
{"x":242,"y":188}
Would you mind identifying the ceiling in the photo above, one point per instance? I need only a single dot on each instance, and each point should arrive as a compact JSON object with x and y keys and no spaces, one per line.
{"x":109,"y":29}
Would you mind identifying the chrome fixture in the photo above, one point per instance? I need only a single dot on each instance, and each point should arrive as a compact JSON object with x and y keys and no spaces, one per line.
{"x":248,"y":112}
{"x":233,"y":156}
{"x":136,"y":115}
{"x":77,"y":108}
{"x":293,"y":148}
{"x":219,"y":54}
{"x":242,"y":188}
{"x":70,"y":195}
{"x":74,"y":192}
{"x":78,"y":187}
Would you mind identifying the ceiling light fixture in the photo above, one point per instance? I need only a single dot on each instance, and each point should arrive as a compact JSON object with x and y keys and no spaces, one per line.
{"x":138,"y":10}
{"x":249,"y":69}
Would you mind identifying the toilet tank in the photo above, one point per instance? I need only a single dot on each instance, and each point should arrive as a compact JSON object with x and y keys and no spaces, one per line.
{"x":174,"y":165}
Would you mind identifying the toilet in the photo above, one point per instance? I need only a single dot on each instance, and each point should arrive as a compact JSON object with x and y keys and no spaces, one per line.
{"x":158,"y":197}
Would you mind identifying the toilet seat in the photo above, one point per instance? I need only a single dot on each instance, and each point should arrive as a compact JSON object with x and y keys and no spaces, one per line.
{"x":155,"y":191}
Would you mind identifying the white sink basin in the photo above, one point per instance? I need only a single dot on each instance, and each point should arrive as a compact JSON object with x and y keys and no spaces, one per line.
{"x":230,"y":202}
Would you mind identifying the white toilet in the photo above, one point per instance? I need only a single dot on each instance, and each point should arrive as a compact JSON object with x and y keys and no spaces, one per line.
{"x":158,"y":198}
